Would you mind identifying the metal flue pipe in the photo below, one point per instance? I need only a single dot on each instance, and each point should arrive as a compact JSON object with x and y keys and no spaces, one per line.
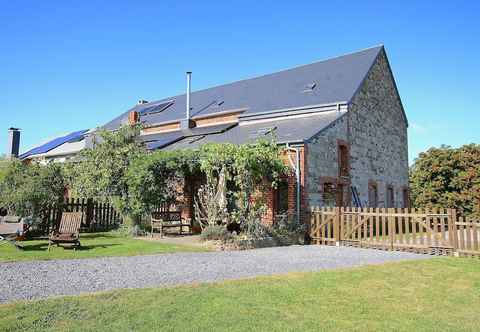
{"x":189,"y":89}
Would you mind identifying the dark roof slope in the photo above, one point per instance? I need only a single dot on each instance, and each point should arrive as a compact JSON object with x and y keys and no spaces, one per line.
{"x":324,"y":82}
{"x":288,"y":130}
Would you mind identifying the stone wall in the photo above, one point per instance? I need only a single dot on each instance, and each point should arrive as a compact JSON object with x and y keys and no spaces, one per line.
{"x":323,"y":160}
{"x":378,"y":136}
{"x":375,"y":131}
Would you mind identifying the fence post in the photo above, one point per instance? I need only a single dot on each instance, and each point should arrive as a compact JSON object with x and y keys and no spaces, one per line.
{"x":336,"y":226}
{"x":89,"y":212}
{"x":391,"y":226}
{"x":452,"y":227}
{"x":310,"y":225}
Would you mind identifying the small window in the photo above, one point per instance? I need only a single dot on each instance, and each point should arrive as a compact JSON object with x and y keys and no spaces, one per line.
{"x":373,"y":195}
{"x":281,"y":206}
{"x":328,"y":194}
{"x":390,"y":197}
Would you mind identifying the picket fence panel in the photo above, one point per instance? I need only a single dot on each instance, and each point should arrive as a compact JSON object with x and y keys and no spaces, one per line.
{"x":96,"y":216}
{"x":433,"y":231}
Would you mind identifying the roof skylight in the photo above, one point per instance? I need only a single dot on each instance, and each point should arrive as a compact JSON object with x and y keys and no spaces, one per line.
{"x":261,"y":132}
{"x":309,"y":87}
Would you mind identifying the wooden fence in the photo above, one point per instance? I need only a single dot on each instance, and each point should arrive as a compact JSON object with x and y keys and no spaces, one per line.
{"x":97,"y":216}
{"x":428,"y":231}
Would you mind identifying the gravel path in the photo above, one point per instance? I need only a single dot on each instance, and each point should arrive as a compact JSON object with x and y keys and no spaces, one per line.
{"x":40,"y":279}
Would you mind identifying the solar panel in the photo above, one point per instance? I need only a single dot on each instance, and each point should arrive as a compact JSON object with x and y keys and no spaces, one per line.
{"x":155,"y":108}
{"x":44,"y":148}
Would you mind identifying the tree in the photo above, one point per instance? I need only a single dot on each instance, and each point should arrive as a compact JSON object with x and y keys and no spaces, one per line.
{"x":100,"y":172}
{"x":449,"y":178}
{"x":28,"y":189}
{"x":4,"y":163}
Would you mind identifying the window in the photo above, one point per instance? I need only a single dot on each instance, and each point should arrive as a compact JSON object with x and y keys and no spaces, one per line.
{"x":328,"y":194}
{"x":343,"y":159}
{"x":390,"y":197}
{"x":281,"y":199}
{"x":406,"y":198}
{"x":373,"y":194}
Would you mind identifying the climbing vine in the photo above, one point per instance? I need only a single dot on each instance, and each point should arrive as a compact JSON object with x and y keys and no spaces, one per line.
{"x":119,"y":169}
{"x":237,"y":172}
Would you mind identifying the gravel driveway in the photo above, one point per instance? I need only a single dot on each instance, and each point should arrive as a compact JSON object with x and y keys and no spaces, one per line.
{"x":40,"y":279}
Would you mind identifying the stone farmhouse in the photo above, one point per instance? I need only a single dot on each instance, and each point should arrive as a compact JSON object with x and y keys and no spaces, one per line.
{"x":341,"y":122}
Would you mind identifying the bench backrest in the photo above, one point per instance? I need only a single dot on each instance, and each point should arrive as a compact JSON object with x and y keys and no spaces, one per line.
{"x":166,"y":216}
{"x":70,"y":223}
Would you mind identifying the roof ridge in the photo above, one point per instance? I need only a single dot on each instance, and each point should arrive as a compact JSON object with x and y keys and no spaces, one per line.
{"x":273,"y":73}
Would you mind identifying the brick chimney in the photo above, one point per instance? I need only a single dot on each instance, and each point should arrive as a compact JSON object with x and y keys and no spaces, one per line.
{"x":133,"y":118}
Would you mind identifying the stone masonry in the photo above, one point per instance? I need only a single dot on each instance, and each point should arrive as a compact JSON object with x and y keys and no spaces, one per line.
{"x":375,"y":130}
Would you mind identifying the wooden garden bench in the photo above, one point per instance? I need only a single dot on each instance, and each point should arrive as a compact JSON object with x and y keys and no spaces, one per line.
{"x":68,"y":230}
{"x":169,"y":219}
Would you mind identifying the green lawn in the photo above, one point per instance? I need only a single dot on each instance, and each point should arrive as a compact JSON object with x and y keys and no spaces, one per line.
{"x":438,"y":294}
{"x":93,"y":245}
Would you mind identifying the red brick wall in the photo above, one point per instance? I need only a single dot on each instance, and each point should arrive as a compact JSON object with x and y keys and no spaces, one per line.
{"x":292,"y":191}
{"x":265,"y":192}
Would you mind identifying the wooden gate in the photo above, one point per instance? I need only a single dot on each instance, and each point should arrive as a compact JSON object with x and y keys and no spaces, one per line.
{"x":322,"y":225}
{"x":432,"y":231}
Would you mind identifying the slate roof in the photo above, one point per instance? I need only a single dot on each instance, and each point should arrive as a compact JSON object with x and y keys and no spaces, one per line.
{"x":291,"y":130}
{"x":333,"y":80}
{"x":327,"y":82}
{"x":157,"y":141}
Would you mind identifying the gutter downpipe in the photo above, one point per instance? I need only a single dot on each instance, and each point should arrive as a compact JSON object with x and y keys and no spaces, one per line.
{"x":296,"y":167}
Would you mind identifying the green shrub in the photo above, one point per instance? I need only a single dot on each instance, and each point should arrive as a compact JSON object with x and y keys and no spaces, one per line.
{"x":216,"y":233}
{"x":28,"y":189}
{"x":289,"y":225}
{"x":447,"y":177}
{"x":288,"y":230}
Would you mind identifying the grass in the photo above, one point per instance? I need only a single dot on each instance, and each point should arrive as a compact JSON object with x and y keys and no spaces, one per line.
{"x":438,"y":294}
{"x":93,"y":245}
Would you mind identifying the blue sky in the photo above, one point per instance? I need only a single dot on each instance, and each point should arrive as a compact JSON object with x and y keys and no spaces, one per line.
{"x":69,"y":65}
